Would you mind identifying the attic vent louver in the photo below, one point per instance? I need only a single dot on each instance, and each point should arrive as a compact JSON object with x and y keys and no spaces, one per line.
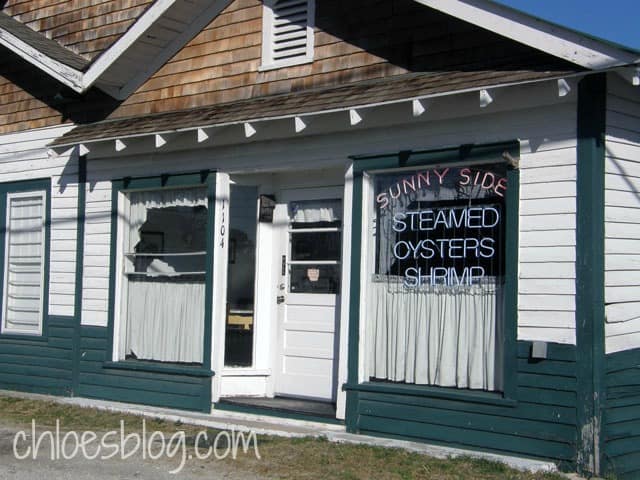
{"x":287,"y":32}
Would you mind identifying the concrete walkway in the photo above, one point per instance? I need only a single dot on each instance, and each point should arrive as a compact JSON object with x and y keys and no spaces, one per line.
{"x":268,"y":425}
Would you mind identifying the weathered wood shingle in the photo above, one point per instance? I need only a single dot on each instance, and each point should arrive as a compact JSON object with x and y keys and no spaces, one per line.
{"x":87,"y":27}
{"x":318,"y":100}
{"x":41,"y":43}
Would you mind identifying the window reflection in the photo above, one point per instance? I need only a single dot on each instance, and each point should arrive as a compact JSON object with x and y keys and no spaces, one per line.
{"x":241,"y":276}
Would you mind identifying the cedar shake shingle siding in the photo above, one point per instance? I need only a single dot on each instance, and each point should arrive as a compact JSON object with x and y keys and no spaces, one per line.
{"x":354,"y":41}
{"x":87,"y":27}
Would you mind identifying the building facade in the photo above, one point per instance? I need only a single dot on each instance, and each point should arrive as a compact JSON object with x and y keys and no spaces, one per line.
{"x":416,"y":218}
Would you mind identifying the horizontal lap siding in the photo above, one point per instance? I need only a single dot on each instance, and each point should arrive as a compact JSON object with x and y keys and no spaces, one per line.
{"x":149,"y":388}
{"x":24,"y":156}
{"x":97,"y":247}
{"x":622,"y":414}
{"x":622,"y":217}
{"x":542,"y":424}
{"x":622,"y":280}
{"x":546,"y":284}
{"x":44,"y":364}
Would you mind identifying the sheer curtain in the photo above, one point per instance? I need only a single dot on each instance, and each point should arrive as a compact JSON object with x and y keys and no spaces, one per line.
{"x":315,"y":211}
{"x":164,"y":318}
{"x":435,"y":335}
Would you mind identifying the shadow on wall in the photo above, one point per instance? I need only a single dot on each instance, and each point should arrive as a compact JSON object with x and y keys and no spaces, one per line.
{"x":420,"y":39}
{"x":71,"y":105}
{"x":403,"y":34}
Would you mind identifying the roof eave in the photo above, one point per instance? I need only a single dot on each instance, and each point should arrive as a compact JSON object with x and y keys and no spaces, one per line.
{"x":63,"y":73}
{"x":556,"y":40}
{"x":100,"y":72}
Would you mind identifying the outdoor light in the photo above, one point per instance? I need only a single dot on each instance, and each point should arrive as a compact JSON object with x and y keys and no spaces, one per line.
{"x":267,"y":206}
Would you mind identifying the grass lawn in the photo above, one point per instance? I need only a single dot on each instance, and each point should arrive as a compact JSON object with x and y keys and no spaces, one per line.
{"x":306,"y":458}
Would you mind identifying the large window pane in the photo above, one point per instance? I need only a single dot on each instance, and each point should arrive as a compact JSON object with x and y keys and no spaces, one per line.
{"x":241,"y":276}
{"x":165,"y":270}
{"x":434,"y":304}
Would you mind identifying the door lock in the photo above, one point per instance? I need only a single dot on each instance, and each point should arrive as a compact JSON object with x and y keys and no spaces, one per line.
{"x":280,"y":299}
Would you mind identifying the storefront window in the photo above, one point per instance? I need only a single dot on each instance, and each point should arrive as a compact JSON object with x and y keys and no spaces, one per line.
{"x":164,"y":260}
{"x":434,"y":307}
{"x":241,"y":276}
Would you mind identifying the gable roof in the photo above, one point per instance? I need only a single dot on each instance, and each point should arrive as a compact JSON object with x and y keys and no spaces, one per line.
{"x":167,"y":25}
{"x":156,"y":35}
{"x":40,"y":43}
{"x":88,"y":27}
{"x":576,"y":47}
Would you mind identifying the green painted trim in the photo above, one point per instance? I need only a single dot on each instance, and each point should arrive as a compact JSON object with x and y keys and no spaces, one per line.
{"x":77,"y":307}
{"x":271,"y":412}
{"x":430,"y":391}
{"x":141,"y":366}
{"x":592,"y":98}
{"x":510,"y":325}
{"x":203,"y":178}
{"x":26,"y":186}
{"x":353,"y":347}
{"x":420,"y":158}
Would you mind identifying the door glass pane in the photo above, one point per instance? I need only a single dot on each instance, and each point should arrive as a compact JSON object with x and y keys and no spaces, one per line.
{"x":241,"y":276}
{"x":315,"y":246}
{"x":315,"y":278}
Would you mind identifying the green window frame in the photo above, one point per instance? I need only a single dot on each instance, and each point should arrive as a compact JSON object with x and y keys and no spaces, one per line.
{"x":7,"y":190}
{"x":362,"y":165}
{"x":206,"y":179}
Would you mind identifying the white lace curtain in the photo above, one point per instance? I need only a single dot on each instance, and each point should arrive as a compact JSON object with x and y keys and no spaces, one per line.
{"x":165,"y":315}
{"x":141,"y":202}
{"x":314,"y":211}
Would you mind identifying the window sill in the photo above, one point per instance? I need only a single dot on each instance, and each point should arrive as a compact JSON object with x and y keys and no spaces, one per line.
{"x":34,"y":337}
{"x":428,"y":391}
{"x":152,"y":367}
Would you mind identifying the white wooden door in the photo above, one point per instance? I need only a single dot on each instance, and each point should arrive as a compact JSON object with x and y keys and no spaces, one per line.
{"x":310,"y":221}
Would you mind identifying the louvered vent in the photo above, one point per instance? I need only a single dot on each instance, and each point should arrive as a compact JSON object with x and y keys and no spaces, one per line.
{"x":288,"y":32}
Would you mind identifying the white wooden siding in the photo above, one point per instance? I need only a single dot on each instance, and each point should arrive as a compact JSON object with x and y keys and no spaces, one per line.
{"x":622,"y":217}
{"x":97,"y":241}
{"x":23,"y":156}
{"x":546,"y":285}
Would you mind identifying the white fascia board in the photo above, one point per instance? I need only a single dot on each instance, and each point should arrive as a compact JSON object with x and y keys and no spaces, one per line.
{"x":75,"y":79}
{"x":114,"y":52}
{"x":555,"y":40}
{"x":198,"y":23}
{"x":61,"y":72}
